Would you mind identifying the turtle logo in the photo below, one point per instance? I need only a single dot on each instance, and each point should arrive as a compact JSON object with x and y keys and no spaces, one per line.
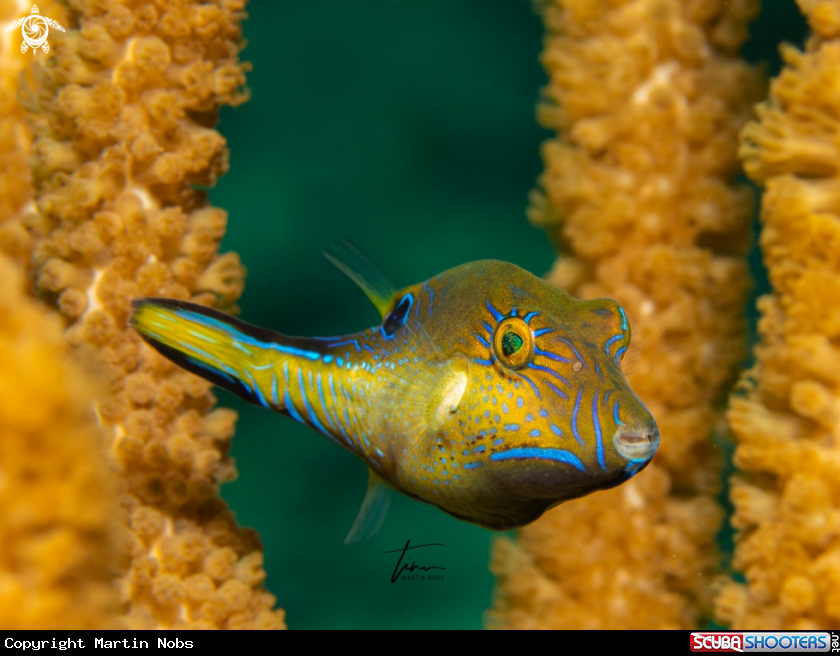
{"x":35,"y":29}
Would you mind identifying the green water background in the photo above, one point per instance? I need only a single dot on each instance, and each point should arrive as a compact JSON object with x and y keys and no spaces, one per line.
{"x":408,"y":127}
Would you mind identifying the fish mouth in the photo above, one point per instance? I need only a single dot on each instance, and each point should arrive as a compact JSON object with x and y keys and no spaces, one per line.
{"x":637,"y":444}
{"x":537,"y":453}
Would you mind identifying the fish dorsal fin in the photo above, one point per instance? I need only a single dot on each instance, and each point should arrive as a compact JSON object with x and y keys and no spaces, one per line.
{"x":361,"y":270}
{"x":373,"y":511}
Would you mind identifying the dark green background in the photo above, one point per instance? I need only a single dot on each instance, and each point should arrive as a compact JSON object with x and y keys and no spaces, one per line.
{"x":408,"y":127}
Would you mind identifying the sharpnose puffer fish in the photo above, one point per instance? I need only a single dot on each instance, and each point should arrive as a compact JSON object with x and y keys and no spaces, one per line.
{"x":485,"y":391}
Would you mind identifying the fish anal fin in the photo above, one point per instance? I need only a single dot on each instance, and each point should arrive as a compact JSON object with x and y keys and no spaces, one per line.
{"x":373,"y":511}
{"x":360,"y":270}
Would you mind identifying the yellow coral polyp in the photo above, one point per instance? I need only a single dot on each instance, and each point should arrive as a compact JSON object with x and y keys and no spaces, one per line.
{"x":16,"y":135}
{"x":121,"y":113}
{"x":59,"y":553}
{"x":787,"y":417}
{"x":647,"y":98}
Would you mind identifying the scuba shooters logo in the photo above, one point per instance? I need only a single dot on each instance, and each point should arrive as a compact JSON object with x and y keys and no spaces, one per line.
{"x":35,"y":30}
{"x":786,"y":642}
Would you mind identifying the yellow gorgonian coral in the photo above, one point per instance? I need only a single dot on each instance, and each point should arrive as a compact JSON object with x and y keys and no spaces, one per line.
{"x":15,"y":134}
{"x":787,"y":419}
{"x":123,"y":111}
{"x":58,"y":519}
{"x":647,"y":98}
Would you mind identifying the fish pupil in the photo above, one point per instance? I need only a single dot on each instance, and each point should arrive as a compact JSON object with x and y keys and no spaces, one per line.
{"x":511,"y":343}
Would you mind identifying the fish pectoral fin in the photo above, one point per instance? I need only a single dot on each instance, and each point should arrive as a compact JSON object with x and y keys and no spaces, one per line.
{"x":361,"y":270}
{"x":373,"y":511}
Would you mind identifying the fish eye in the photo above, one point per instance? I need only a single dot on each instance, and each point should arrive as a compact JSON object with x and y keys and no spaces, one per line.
{"x":513,"y":343}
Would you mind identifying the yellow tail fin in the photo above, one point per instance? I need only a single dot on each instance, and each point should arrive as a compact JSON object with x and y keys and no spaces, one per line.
{"x":235,"y":355}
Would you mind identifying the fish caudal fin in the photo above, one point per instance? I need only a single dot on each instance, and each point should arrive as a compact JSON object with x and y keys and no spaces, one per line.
{"x":230,"y":353}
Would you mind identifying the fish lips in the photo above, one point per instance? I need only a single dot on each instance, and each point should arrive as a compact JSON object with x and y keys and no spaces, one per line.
{"x":636,"y":444}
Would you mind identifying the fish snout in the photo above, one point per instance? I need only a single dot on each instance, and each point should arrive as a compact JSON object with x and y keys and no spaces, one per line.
{"x":637,"y":444}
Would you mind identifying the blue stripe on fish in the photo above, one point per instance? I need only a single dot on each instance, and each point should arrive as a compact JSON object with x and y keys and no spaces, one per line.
{"x":574,"y":417}
{"x":574,"y":350}
{"x":531,"y":382}
{"x":633,"y":468}
{"x":550,"y":371}
{"x":618,"y":355}
{"x":610,"y":341}
{"x":216,"y":362}
{"x":599,"y":440}
{"x":481,"y":340}
{"x":349,"y":341}
{"x":323,"y":401}
{"x":291,"y":408}
{"x":556,"y":390}
{"x":313,"y":418}
{"x":538,"y":453}
{"x":234,"y":334}
{"x":496,"y":314}
{"x":241,"y":348}
{"x":256,"y":389}
{"x":549,"y":354}
{"x":211,"y":369}
{"x":206,"y":338}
